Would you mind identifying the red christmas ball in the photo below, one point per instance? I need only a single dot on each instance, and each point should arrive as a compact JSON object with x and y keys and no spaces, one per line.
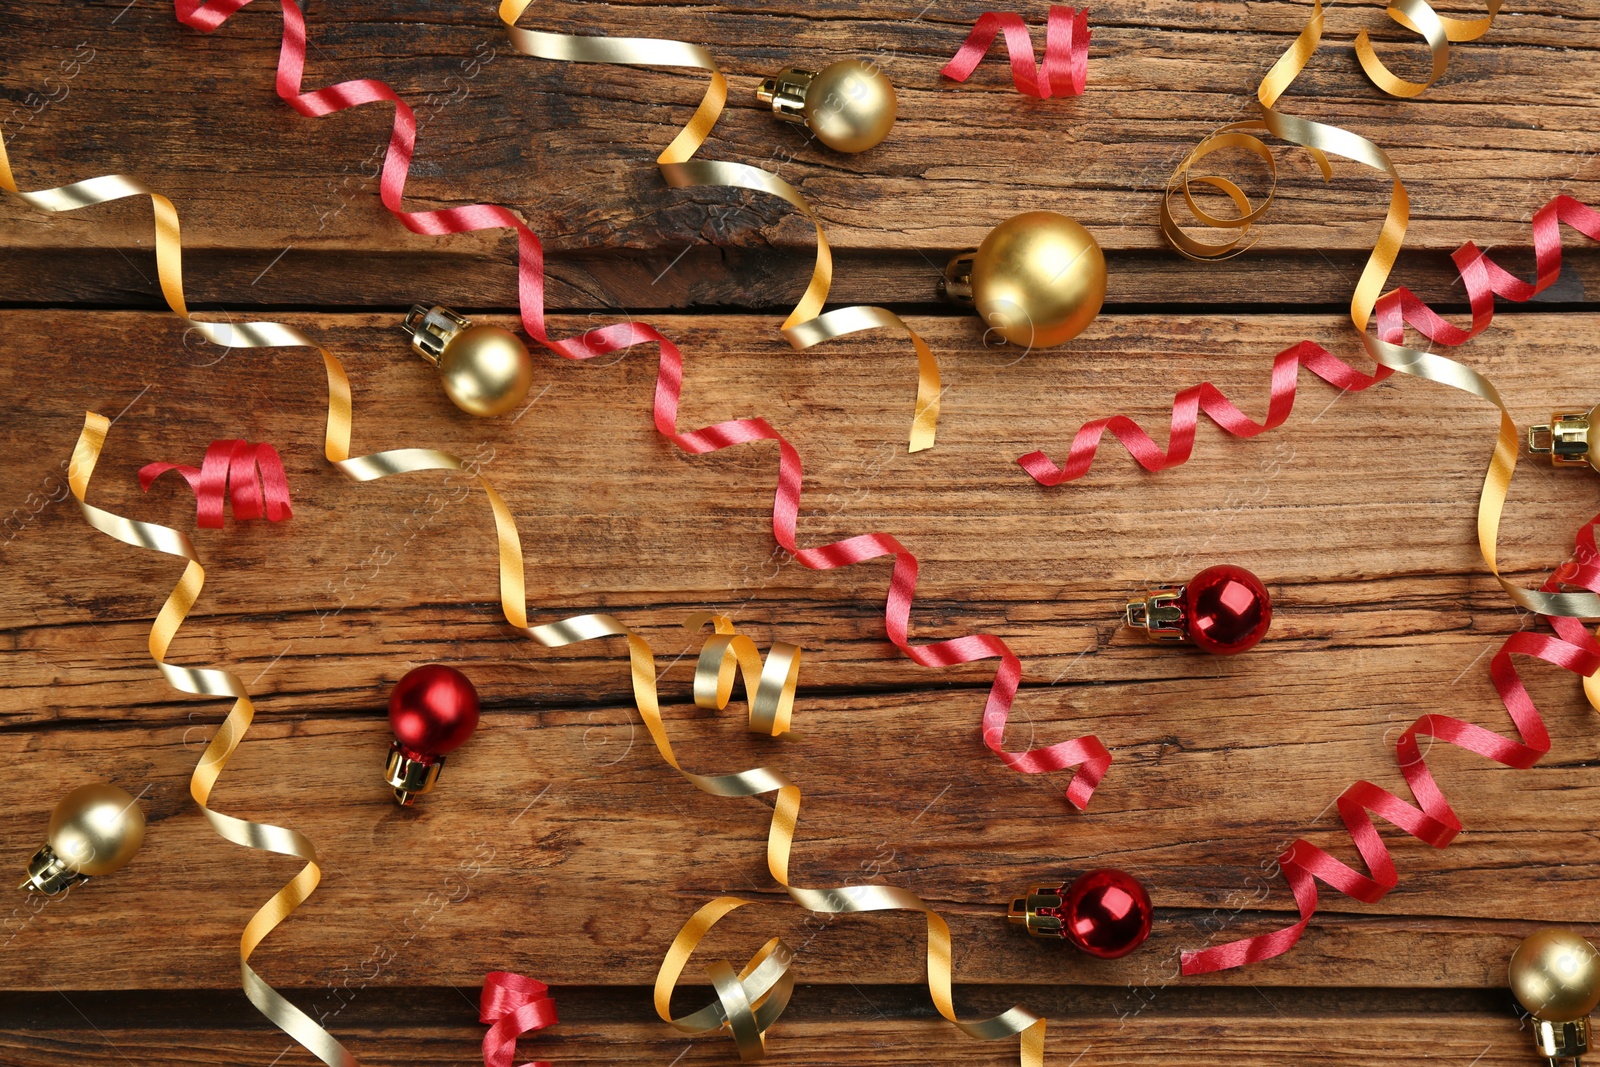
{"x":1226,"y":609}
{"x":1106,"y":912}
{"x":433,"y":710}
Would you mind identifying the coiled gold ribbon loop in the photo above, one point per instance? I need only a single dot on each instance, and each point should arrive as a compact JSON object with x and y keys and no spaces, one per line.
{"x":1322,"y":140}
{"x":806,"y":325}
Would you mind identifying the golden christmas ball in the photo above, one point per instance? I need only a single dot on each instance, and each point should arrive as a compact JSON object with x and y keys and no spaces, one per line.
{"x":849,"y":105}
{"x":1556,"y":975}
{"x":96,"y":829}
{"x":486,"y":371}
{"x":1038,"y":279}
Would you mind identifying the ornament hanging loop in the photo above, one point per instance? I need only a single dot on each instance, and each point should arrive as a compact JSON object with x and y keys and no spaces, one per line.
{"x":956,"y":285}
{"x":1159,"y":615}
{"x":1565,"y":439}
{"x":1039,"y":911}
{"x":431,"y":329}
{"x":785,"y":93}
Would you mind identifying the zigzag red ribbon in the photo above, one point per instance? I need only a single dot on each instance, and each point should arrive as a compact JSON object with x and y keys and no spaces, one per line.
{"x":1065,"y":69}
{"x":1431,"y":818}
{"x":1483,"y":279}
{"x":1086,"y":752}
{"x":512,"y":1005}
{"x":253,"y":473}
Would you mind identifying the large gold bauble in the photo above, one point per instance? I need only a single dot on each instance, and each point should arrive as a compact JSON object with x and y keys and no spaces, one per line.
{"x":1556,"y":975}
{"x":486,"y":370}
{"x":1038,"y":279}
{"x":850,"y":105}
{"x":96,"y":829}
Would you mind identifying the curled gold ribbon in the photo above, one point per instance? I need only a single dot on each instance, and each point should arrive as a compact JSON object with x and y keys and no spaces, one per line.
{"x":1322,"y":140}
{"x":771,"y":688}
{"x":807,"y":325}
{"x":210,"y":682}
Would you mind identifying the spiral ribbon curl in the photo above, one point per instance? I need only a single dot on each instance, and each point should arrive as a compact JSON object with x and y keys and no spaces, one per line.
{"x":1065,"y":68}
{"x":251,"y":474}
{"x":210,"y":682}
{"x":512,"y":1005}
{"x":1430,"y":818}
{"x":770,"y":700}
{"x":807,"y":325}
{"x":1482,"y":278}
{"x":1086,"y":753}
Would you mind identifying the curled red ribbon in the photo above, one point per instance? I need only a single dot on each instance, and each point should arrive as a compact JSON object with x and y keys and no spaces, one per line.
{"x":1086,"y":752}
{"x":1482,"y":278}
{"x":1431,"y":818}
{"x":512,"y":1005}
{"x":252,"y":474}
{"x":1065,"y":69}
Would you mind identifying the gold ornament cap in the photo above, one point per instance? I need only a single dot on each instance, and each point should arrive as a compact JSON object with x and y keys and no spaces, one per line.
{"x":1555,"y":974}
{"x":94,"y":830}
{"x":410,"y":776}
{"x":1038,"y":279}
{"x":486,"y":371}
{"x":1040,"y":911}
{"x":849,"y":105}
{"x":1566,"y":439}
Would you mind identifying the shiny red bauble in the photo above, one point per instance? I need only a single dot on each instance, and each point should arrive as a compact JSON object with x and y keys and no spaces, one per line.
{"x":1106,"y":912}
{"x":433,"y":710}
{"x":1226,"y":609}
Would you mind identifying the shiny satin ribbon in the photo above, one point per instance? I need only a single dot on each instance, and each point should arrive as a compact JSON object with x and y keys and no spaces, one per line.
{"x":1430,"y":818}
{"x":1064,"y":69}
{"x":512,"y":1005}
{"x":807,"y":325}
{"x":210,"y":682}
{"x":737,"y":1007}
{"x":1086,"y":753}
{"x":251,"y":474}
{"x":1482,"y":279}
{"x":1387,"y":348}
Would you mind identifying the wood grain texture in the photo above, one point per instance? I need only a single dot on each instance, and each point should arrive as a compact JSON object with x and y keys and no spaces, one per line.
{"x":282,"y":209}
{"x":558,"y":844}
{"x":1383,"y":610}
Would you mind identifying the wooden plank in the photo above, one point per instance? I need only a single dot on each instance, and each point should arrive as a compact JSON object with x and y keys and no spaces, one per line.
{"x":296,"y":222}
{"x":1047,"y":569}
{"x":868,"y":1026}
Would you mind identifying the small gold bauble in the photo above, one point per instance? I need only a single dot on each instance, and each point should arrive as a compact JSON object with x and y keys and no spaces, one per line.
{"x":1556,"y":975}
{"x":850,"y":105}
{"x":486,"y":370}
{"x":96,"y":829}
{"x":1038,"y":279}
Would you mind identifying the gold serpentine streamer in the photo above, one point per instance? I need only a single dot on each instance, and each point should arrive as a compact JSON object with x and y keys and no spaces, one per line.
{"x":209,"y":682}
{"x":1322,"y":140}
{"x":807,"y":325}
{"x":769,"y":705}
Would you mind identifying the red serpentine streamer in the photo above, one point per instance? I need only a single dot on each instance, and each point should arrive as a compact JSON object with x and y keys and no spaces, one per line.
{"x":1483,"y":279}
{"x":1086,"y":752}
{"x":1065,"y":68}
{"x":231,"y":465}
{"x":512,"y":1005}
{"x":1431,"y":818}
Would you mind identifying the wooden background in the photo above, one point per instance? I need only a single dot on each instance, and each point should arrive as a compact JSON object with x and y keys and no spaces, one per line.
{"x":1358,"y":514}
